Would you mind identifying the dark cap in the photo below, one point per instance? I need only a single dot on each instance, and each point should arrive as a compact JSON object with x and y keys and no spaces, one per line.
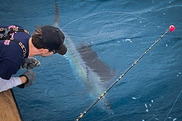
{"x":53,"y":39}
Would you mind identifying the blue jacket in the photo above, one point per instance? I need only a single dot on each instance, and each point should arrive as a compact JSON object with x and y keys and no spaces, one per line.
{"x":11,"y":54}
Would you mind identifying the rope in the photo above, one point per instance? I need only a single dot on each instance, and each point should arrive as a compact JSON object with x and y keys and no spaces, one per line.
{"x":173,"y":105}
{"x":122,"y":75}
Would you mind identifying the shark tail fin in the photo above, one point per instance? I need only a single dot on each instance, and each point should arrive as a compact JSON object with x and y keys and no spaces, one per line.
{"x":56,"y":20}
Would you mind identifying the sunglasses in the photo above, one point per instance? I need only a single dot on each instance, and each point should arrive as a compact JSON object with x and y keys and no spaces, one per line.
{"x":54,"y":51}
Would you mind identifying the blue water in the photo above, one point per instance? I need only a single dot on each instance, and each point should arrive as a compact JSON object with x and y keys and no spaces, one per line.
{"x":119,"y":32}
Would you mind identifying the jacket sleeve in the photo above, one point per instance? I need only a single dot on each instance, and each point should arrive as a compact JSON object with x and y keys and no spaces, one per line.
{"x":8,"y":68}
{"x":8,"y":84}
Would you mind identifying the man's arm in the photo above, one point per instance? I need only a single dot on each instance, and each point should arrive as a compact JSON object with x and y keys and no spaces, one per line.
{"x":8,"y":84}
{"x":25,"y":80}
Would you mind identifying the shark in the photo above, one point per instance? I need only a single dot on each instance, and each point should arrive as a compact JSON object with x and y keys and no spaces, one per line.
{"x":93,"y":72}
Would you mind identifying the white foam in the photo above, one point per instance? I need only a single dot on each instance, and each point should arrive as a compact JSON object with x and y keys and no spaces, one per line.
{"x":134,"y":98}
{"x":174,"y":119}
{"x":127,"y":40}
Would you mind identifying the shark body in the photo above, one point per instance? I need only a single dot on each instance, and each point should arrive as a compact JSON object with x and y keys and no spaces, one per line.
{"x":93,"y":73}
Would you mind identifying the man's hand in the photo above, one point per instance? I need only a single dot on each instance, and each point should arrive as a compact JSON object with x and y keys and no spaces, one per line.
{"x":30,"y":77}
{"x":30,"y":63}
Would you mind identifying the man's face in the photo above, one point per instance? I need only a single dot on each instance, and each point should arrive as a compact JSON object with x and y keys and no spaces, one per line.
{"x":46,"y":54}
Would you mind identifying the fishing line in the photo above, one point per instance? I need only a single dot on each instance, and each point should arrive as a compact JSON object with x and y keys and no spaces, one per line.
{"x":171,"y":28}
{"x":173,"y":105}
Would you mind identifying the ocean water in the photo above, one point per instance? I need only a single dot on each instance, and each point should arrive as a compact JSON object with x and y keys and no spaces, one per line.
{"x":119,"y":32}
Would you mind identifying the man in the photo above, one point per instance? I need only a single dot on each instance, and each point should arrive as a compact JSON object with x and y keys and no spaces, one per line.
{"x":17,"y":48}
